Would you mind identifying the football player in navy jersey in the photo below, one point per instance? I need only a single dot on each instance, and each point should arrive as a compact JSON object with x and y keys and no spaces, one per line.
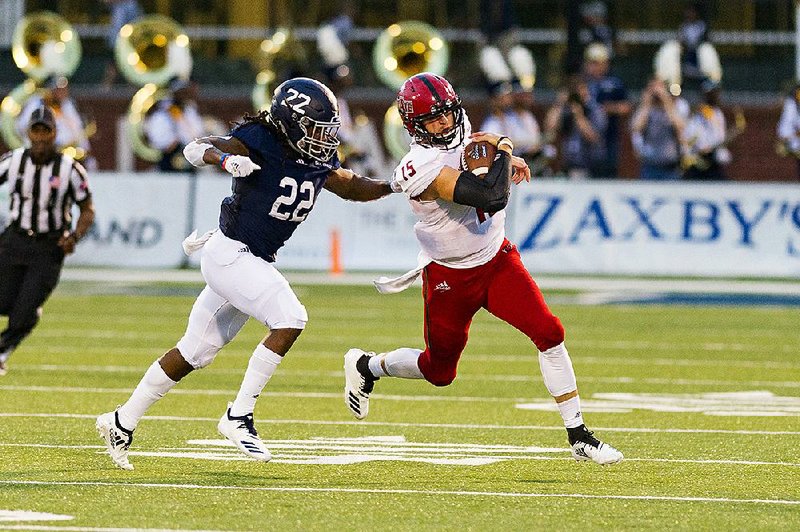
{"x":280,"y":161}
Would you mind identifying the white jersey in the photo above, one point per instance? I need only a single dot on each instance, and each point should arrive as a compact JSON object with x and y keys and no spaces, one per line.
{"x":457,"y":236}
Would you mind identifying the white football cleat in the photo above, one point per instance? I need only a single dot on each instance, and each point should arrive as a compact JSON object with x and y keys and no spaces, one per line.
{"x":585,"y":446}
{"x":358,"y":382}
{"x":118,"y":439}
{"x":242,"y":432}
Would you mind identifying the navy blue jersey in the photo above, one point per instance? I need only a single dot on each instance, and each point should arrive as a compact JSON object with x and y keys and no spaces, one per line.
{"x":267,"y":206}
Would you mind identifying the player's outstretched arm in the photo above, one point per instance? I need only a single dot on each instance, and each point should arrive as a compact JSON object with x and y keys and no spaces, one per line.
{"x":350,"y":186}
{"x":227,"y":152}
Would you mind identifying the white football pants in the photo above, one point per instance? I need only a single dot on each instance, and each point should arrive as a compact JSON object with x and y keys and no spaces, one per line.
{"x":238,"y":285}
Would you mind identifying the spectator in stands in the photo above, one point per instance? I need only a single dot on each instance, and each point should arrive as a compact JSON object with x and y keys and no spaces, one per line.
{"x":70,"y":128}
{"x":511,"y":112}
{"x":692,"y":32}
{"x":706,"y":138}
{"x":610,"y":93}
{"x":498,"y":17}
{"x":338,"y":78}
{"x":360,"y":148}
{"x":789,"y":126}
{"x":657,"y":130}
{"x":122,"y":12}
{"x":174,"y":123}
{"x":596,"y":29}
{"x":580,"y":122}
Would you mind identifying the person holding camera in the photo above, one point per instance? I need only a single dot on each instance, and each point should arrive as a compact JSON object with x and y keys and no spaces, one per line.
{"x":657,"y":130}
{"x":580,"y":123}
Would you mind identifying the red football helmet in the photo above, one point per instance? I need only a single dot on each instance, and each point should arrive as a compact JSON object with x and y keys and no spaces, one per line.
{"x":427,"y":96}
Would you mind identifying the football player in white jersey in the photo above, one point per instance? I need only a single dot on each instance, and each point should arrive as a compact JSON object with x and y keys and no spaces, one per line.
{"x":466,"y":263}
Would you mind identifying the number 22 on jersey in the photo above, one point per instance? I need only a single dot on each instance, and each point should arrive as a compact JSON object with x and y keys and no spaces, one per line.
{"x":284,"y":207}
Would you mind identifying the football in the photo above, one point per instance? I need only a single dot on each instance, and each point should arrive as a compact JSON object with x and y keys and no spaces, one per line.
{"x":478,"y":157}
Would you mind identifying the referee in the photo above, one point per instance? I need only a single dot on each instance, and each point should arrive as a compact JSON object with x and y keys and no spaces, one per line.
{"x":43,"y":184}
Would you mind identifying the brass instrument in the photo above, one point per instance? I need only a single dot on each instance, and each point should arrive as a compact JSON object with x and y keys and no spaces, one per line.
{"x":401,"y":51}
{"x":43,"y":44}
{"x":407,"y":48}
{"x":149,"y":52}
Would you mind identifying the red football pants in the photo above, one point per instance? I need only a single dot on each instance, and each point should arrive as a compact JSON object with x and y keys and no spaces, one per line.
{"x":452,"y":296}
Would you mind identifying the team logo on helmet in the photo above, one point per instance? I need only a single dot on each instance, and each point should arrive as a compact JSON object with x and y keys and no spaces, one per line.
{"x":405,"y":106}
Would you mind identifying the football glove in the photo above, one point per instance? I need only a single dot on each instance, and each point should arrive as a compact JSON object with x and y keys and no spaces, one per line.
{"x":238,"y":165}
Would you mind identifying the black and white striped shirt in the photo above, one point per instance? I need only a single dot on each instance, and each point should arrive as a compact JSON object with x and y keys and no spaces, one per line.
{"x":42,"y":195}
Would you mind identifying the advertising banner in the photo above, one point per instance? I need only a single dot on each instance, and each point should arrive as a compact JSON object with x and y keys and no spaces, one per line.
{"x":591,"y":227}
{"x":140,"y":221}
{"x":607,"y":227}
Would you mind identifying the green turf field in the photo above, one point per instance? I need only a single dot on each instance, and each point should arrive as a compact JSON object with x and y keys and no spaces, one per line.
{"x":703,"y":401}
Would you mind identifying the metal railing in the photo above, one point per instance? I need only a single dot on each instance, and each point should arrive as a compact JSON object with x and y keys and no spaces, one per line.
{"x":527,"y":36}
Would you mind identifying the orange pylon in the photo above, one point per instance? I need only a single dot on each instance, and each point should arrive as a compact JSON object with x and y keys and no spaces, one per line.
{"x":336,"y":253}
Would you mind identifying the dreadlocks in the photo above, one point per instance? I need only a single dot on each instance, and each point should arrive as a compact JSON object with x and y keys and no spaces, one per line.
{"x":262,"y":117}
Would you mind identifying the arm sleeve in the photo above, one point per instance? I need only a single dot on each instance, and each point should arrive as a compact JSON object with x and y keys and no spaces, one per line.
{"x":490,"y":193}
{"x":79,"y":182}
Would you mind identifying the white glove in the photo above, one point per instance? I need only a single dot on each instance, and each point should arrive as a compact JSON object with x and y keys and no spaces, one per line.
{"x":194,"y":152}
{"x":239,"y":165}
{"x":192,"y":242}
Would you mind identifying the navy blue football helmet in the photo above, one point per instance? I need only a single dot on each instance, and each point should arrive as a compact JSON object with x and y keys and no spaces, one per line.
{"x":306,"y":112}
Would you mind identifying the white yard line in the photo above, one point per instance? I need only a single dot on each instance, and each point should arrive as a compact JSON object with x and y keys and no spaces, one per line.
{"x":103,"y":529}
{"x":303,"y":395}
{"x":455,"y":493}
{"x":458,"y":426}
{"x":481,"y":378}
{"x":418,"y":448}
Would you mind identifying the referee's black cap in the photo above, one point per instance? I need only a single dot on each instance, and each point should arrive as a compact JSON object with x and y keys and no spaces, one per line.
{"x":43,"y":115}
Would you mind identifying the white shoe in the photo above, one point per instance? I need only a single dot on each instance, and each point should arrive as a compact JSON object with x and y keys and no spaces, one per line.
{"x":118,"y":439}
{"x":358,"y":382}
{"x":586,"y":447}
{"x":3,"y":362}
{"x":242,"y":432}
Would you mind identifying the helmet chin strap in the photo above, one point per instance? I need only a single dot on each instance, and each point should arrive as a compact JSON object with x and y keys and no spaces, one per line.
{"x":459,"y":139}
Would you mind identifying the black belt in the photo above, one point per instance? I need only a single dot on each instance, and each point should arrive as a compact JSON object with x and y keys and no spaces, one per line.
{"x":30,"y":233}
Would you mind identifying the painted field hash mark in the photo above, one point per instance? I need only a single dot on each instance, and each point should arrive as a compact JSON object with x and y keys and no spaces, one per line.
{"x":25,"y":515}
{"x":343,"y":451}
